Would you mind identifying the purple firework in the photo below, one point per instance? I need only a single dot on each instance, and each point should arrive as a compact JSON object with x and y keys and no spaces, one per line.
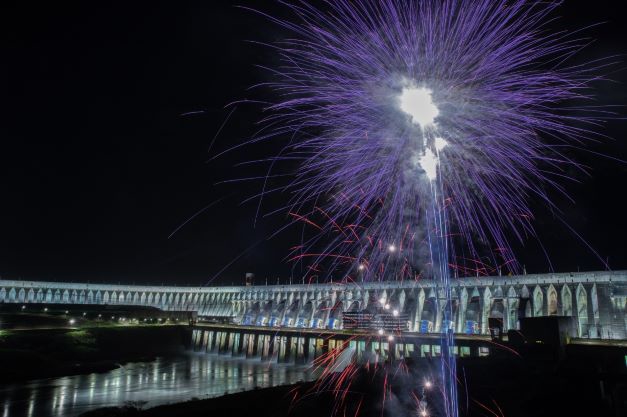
{"x":382,"y":99}
{"x":424,"y":128}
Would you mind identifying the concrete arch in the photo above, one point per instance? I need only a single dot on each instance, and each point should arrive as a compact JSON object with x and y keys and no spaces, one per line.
{"x":276,"y":317}
{"x":524,"y":292}
{"x":472,"y":319}
{"x":305,"y":315}
{"x":383,"y":297}
{"x":429,"y":314}
{"x":538,"y":302}
{"x":410,"y":307}
{"x":512,"y":309}
{"x":397,"y":300}
{"x":485,"y":309}
{"x":320,"y":315}
{"x":354,"y":305}
{"x":263,"y":318}
{"x":463,"y":305}
{"x":498,"y":312}
{"x":567,"y":301}
{"x":594,"y":301}
{"x":250,"y":316}
{"x":582,"y":310}
{"x":3,"y":294}
{"x":552,"y":302}
{"x":421,"y":303}
{"x":498,"y":292}
{"x":449,"y":315}
{"x":291,"y":313}
{"x":21,"y":295}
{"x":365,"y":298}
{"x":335,"y":313}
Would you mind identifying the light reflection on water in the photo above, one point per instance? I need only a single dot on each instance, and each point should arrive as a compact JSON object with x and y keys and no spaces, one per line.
{"x":159,"y":382}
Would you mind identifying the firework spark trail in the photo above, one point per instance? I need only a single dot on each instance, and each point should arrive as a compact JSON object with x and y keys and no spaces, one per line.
{"x":345,"y":69}
{"x":441,"y":118}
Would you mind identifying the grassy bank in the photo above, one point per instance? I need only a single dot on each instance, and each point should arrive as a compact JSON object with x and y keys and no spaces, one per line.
{"x":39,"y":353}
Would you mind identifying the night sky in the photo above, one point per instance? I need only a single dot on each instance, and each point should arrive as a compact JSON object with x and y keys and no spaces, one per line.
{"x":101,"y":159}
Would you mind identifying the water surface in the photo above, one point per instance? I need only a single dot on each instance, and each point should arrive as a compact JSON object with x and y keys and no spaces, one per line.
{"x":160,"y":382}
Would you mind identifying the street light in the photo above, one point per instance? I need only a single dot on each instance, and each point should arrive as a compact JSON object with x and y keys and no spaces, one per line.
{"x":380,"y":332}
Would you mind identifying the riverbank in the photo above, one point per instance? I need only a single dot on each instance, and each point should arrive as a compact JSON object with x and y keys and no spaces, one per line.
{"x":45,"y":353}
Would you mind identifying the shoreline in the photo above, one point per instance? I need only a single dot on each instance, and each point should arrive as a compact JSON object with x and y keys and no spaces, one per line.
{"x":54,"y":353}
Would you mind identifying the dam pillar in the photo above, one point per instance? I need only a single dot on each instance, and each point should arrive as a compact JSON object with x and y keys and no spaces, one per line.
{"x":250,"y":345}
{"x":205,"y":338}
{"x":236,"y":350}
{"x":283,"y":347}
{"x":301,"y":346}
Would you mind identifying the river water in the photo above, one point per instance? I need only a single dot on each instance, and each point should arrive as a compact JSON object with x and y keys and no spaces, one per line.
{"x":159,"y":382}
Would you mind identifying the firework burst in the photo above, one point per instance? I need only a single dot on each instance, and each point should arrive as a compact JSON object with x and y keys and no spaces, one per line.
{"x":381,"y":98}
{"x":425,"y":128}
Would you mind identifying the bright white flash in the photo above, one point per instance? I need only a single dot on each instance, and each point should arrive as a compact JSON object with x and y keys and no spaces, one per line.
{"x":418,"y":103}
{"x":440,"y":144}
{"x":429,"y":163}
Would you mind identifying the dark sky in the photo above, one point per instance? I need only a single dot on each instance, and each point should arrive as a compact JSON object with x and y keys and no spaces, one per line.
{"x":98,"y":166}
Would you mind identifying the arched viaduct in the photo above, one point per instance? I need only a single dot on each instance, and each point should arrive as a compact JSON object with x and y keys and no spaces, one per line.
{"x":597,"y":301}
